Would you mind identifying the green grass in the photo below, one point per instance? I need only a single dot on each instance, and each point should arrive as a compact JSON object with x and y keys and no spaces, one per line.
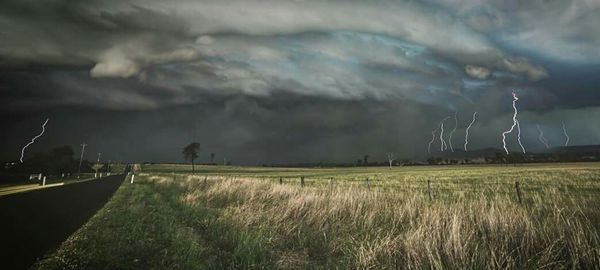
{"x":241,"y":218}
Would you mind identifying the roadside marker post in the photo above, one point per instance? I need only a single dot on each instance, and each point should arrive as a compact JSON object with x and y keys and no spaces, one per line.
{"x":132,"y":176}
{"x":44,"y":181}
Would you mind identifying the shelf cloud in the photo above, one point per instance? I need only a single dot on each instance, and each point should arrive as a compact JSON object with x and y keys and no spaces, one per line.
{"x":436,"y":55}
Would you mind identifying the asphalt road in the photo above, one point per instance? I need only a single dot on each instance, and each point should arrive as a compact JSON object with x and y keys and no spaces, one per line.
{"x":32,"y":223}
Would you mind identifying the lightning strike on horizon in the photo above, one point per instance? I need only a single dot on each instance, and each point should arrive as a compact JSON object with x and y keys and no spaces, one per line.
{"x":566,"y":135}
{"x":442,"y":142}
{"x":33,"y":140}
{"x":443,"y":145}
{"x":541,"y":137}
{"x":519,"y":137}
{"x":467,"y":130}
{"x":515,"y":124}
{"x":453,"y":130}
{"x":440,"y":125}
{"x":432,"y":139}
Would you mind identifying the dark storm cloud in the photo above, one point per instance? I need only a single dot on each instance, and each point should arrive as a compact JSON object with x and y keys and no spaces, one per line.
{"x":380,"y":50}
{"x":563,"y":30}
{"x":305,"y":76}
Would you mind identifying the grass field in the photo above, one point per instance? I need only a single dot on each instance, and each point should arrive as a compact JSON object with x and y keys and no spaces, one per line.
{"x":241,"y":217}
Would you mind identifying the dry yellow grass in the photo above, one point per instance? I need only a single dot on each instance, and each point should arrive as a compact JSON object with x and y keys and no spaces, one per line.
{"x":377,"y":228}
{"x":244,"y":218}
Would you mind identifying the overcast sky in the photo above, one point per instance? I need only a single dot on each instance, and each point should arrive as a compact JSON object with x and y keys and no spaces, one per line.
{"x":294,"y":81}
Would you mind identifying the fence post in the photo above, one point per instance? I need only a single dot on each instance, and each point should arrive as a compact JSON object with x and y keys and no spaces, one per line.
{"x":205,"y":179}
{"x":519,"y":193}
{"x":368,"y":184}
{"x":280,"y":180}
{"x":429,"y":190}
{"x":302,"y":181}
{"x":330,"y":182}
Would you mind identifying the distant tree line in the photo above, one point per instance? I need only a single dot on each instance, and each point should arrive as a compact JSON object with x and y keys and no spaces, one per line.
{"x":57,"y":161}
{"x":495,"y":158}
{"x":515,"y":158}
{"x":192,"y":151}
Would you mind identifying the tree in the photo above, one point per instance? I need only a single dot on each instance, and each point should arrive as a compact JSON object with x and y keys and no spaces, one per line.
{"x":391,"y":158}
{"x":61,"y":160}
{"x":191,"y":152}
{"x":54,"y":162}
{"x":500,"y":157}
{"x":431,"y":161}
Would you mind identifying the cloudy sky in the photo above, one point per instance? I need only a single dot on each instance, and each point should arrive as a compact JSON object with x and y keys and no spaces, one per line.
{"x":294,"y":81}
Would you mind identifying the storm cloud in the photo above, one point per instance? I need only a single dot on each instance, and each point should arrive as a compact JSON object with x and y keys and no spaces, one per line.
{"x":427,"y":57}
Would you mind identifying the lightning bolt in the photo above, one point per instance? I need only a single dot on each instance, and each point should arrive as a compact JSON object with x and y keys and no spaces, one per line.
{"x":33,"y":140}
{"x":541,"y":138}
{"x":519,"y":137}
{"x":566,"y":135}
{"x":515,"y":124}
{"x":432,"y":139}
{"x":453,"y":130}
{"x":467,"y":130}
{"x":443,"y":145}
{"x":440,"y":125}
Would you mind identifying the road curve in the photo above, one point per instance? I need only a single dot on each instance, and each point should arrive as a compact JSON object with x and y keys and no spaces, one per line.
{"x":32,"y":223}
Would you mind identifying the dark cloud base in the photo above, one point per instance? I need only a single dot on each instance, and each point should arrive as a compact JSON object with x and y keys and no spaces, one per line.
{"x":283,"y":129}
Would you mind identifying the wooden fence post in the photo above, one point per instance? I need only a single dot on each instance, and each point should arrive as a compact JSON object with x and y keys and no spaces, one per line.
{"x":519,"y":193}
{"x":429,"y":190}
{"x":280,"y":180}
{"x":302,"y":181}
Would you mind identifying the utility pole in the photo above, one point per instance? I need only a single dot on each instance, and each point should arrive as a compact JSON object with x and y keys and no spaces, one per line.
{"x":83,"y":145}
